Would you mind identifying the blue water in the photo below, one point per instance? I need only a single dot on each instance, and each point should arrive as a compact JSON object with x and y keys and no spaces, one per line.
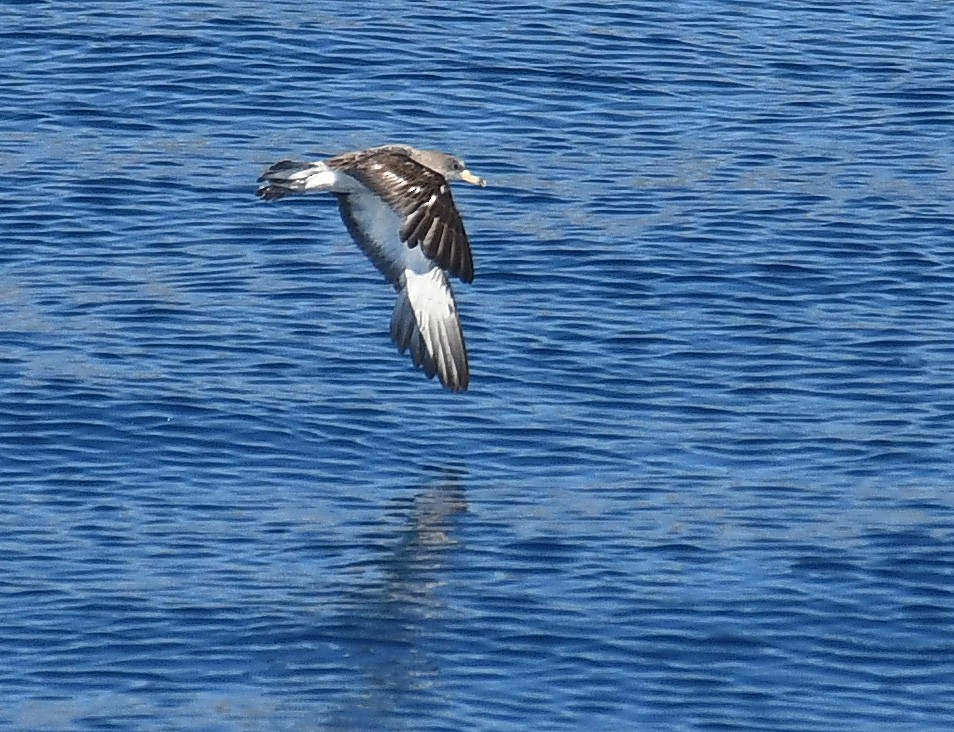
{"x":703,"y":477}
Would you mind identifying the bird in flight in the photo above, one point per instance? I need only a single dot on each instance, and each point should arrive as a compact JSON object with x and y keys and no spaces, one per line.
{"x":396,"y":202}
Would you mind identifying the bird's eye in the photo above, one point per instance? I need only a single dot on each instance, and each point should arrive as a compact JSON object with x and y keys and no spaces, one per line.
{"x":457,"y":166}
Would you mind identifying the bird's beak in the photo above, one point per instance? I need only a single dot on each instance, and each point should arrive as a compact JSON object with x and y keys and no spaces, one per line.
{"x":467,"y":176}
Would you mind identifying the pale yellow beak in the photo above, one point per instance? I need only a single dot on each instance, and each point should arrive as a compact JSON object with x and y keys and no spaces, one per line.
{"x":466,"y":175}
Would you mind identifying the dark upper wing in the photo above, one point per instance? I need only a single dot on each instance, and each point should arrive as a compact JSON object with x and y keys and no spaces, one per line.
{"x":421,"y":196}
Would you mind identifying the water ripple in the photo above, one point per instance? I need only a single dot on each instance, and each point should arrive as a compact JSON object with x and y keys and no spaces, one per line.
{"x":701,"y":479}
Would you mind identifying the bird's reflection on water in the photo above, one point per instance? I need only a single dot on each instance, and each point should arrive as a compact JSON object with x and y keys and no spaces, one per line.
{"x":394,"y":612}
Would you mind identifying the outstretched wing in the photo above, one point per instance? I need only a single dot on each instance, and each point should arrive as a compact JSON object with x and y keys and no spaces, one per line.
{"x":426,"y":323}
{"x":421,"y":197}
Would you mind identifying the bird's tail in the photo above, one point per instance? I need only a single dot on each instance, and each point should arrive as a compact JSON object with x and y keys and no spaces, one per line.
{"x":425,"y":321}
{"x":291,"y":176}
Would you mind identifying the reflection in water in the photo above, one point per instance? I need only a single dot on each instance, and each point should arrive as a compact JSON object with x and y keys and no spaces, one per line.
{"x":387,"y":611}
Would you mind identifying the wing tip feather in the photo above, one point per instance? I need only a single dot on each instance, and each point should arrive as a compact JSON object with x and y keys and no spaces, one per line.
{"x":433,"y":337}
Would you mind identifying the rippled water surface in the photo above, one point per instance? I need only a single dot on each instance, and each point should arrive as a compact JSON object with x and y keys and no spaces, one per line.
{"x":703,"y":476}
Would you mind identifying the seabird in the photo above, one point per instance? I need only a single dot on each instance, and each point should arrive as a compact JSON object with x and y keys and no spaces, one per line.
{"x":397,"y":205}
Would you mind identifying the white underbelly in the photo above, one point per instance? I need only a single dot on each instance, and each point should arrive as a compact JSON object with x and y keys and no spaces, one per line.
{"x":383,"y":227}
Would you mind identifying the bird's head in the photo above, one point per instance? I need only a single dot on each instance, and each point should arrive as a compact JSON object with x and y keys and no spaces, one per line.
{"x":448,"y":166}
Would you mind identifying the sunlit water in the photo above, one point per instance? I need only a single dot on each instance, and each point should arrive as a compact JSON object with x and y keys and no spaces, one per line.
{"x":703,"y":476}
